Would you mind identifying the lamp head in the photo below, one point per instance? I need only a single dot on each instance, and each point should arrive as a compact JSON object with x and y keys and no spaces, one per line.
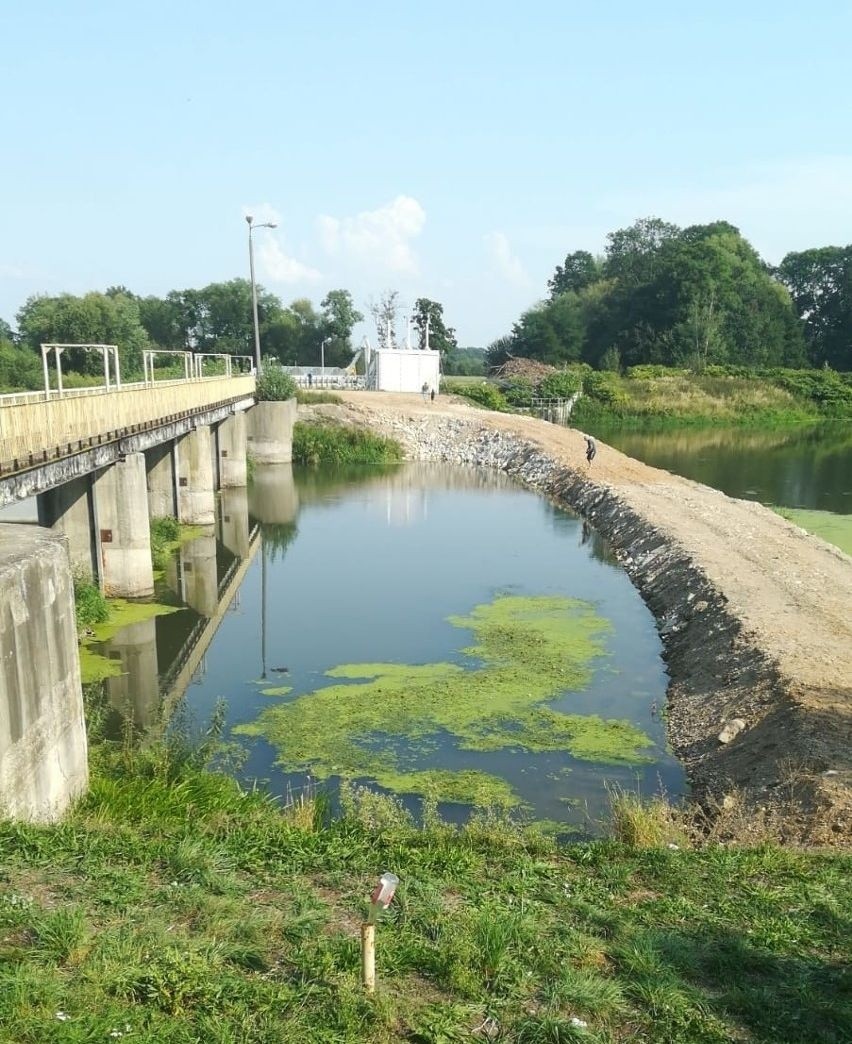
{"x":249,"y":218}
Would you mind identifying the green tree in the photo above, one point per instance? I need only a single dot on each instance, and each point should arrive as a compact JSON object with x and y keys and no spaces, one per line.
{"x":339,"y":316}
{"x":429,"y":315}
{"x":92,"y":319}
{"x":820,"y":282}
{"x":578,"y":271}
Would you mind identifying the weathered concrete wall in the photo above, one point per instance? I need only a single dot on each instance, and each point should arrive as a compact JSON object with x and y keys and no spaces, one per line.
{"x":161,"y":481}
{"x":43,"y":751}
{"x":196,"y":495}
{"x":232,"y":446}
{"x":124,"y":534}
{"x":270,"y":432}
{"x":68,"y":510}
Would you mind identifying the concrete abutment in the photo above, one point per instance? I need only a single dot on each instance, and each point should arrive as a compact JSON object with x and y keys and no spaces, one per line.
{"x":270,"y":432}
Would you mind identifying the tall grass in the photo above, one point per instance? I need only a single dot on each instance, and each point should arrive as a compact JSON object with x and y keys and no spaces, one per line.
{"x":327,"y":443}
{"x":90,"y":605}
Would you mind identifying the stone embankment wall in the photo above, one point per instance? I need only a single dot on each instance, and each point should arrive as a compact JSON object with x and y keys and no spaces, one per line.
{"x":716,"y":672}
{"x":43,"y":750}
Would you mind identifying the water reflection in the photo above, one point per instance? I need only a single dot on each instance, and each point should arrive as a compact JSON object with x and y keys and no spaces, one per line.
{"x":310,"y":570}
{"x":806,"y":467}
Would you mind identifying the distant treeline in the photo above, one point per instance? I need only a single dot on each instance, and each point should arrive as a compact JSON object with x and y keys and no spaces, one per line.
{"x":689,"y":297}
{"x":216,"y":318}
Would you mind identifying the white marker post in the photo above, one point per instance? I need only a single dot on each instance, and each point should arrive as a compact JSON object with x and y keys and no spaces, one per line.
{"x":380,"y":900}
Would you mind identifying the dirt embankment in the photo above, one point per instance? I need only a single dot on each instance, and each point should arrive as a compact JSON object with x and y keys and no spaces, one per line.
{"x":755,"y":616}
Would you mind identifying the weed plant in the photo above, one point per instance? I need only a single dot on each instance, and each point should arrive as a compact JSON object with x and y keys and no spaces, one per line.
{"x":90,"y":605}
{"x":334,"y":444}
{"x":165,"y":536}
{"x":172,"y":906}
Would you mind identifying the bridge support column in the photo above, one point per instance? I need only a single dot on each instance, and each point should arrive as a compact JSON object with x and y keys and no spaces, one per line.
{"x":124,"y":533}
{"x":270,"y":432}
{"x":68,"y":509}
{"x":196,"y":497}
{"x":232,"y":452}
{"x":43,"y":751}
{"x":160,"y":478}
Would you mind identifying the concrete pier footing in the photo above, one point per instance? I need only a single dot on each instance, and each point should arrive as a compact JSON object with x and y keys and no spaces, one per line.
{"x":196,"y":483}
{"x":124,"y":534}
{"x":67,"y":510}
{"x":43,"y":750}
{"x":232,"y":444}
{"x":270,"y":432}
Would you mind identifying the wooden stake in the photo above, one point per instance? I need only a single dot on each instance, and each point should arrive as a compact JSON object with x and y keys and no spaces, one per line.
{"x":368,"y":957}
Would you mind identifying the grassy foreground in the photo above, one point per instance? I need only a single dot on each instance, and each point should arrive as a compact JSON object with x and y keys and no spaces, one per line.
{"x":172,"y":907}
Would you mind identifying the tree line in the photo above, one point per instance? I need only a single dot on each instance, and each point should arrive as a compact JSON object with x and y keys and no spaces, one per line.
{"x":689,"y":297}
{"x":216,"y":318}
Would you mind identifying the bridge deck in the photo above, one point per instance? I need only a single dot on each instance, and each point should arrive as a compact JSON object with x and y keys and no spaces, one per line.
{"x":35,"y":430}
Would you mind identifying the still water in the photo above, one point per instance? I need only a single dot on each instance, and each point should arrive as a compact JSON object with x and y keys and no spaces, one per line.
{"x":801,"y":467}
{"x":310,"y":571}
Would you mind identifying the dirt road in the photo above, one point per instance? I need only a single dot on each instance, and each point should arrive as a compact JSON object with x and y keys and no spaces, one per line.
{"x":755,"y":614}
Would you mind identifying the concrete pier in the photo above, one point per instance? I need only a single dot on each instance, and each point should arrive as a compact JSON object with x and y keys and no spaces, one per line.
{"x":232,"y":446}
{"x":43,"y":750}
{"x":161,"y":480}
{"x":68,"y":510}
{"x":270,"y":432}
{"x":196,"y":484}
{"x":123,"y":529}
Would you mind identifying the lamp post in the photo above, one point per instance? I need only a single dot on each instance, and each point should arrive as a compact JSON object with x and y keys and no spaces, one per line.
{"x":252,"y":227}
{"x":322,"y":356}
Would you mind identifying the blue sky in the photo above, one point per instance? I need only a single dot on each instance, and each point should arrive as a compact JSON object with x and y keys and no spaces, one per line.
{"x":452,"y":150}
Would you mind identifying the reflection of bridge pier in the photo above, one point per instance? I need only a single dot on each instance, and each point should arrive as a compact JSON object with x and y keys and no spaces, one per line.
{"x":135,"y":693}
{"x":272,"y":497}
{"x":199,"y":582}
{"x":234,"y":521}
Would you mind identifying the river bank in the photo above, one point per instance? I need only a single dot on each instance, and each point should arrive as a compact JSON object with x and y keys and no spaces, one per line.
{"x":752,"y":611}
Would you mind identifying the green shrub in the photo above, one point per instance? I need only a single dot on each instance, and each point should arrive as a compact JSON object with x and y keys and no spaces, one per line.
{"x":606,"y":388}
{"x":483,"y":394}
{"x":327,"y":443}
{"x":89,"y":603}
{"x":561,"y":385}
{"x":274,"y":385}
{"x":165,"y":534}
{"x":519,"y":393}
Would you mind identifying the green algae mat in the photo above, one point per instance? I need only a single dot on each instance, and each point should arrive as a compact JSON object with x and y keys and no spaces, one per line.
{"x":834,"y":529}
{"x":382,"y":720}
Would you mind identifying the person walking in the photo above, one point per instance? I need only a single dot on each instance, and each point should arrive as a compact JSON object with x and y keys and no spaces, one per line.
{"x":425,"y":390}
{"x":591,"y":449}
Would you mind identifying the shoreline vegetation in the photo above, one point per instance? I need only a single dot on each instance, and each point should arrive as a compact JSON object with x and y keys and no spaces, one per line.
{"x":173,"y":906}
{"x":659,"y":396}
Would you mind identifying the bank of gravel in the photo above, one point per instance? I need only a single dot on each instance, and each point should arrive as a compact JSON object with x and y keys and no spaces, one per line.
{"x":752,"y":613}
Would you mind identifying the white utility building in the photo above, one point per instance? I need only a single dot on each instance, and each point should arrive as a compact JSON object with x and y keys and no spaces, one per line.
{"x":402,"y":369}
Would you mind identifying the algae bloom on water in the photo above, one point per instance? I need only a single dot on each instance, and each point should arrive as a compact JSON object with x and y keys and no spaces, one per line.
{"x":381,"y":720}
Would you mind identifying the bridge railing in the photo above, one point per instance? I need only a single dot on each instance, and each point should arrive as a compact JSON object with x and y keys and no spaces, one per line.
{"x":35,"y":430}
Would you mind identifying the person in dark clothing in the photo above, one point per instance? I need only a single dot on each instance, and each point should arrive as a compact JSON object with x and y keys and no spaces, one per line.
{"x":591,"y":448}
{"x":432,"y":395}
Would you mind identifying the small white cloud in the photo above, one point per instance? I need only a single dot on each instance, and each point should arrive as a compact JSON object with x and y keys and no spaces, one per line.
{"x":13,"y":272}
{"x":381,"y":237}
{"x":279,"y":268}
{"x":505,"y":261}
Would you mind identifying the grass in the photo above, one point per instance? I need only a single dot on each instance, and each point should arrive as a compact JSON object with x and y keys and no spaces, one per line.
{"x":90,"y":605}
{"x":335,"y":444}
{"x":167,"y":534}
{"x":173,"y":907}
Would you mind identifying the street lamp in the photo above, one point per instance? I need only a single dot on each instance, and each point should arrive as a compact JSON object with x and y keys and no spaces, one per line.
{"x":252,"y":227}
{"x":322,"y":355}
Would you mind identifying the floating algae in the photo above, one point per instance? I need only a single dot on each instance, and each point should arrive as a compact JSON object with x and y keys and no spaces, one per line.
{"x":94,"y":666}
{"x":527,"y":651}
{"x":834,"y":529}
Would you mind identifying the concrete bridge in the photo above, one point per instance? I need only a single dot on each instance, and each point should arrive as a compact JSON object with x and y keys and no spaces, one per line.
{"x":101,"y":463}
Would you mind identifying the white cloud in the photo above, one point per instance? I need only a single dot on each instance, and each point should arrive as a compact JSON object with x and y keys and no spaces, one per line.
{"x":380,"y":237}
{"x":279,"y":268}
{"x":505,"y":261}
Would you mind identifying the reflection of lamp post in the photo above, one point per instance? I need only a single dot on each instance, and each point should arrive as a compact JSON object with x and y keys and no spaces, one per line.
{"x":263,"y":604}
{"x":252,"y":227}
{"x":322,"y":355}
